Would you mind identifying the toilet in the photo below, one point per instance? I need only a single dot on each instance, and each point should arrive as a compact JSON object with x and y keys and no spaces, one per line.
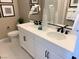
{"x":14,"y":37}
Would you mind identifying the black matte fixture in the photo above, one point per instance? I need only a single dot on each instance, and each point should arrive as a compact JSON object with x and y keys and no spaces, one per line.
{"x":58,"y":30}
{"x":74,"y":57}
{"x":62,"y":29}
{"x":36,"y":22}
{"x":66,"y":32}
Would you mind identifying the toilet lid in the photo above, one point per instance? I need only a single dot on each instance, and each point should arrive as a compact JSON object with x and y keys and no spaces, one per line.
{"x":13,"y":33}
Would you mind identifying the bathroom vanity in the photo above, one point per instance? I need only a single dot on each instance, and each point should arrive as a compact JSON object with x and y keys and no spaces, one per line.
{"x":41,"y":44}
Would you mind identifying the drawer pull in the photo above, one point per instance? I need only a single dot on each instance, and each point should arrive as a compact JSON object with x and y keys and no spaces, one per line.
{"x":24,"y":37}
{"x":47,"y":54}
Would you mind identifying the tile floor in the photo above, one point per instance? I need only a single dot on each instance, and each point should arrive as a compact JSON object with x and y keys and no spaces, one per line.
{"x":10,"y":51}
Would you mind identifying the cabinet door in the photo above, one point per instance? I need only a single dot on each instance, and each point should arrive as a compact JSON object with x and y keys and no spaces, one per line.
{"x":27,"y":41}
{"x":40,"y":48}
{"x":22,"y":37}
{"x":56,"y":52}
{"x":30,"y":43}
{"x":40,"y":52}
{"x":54,"y":55}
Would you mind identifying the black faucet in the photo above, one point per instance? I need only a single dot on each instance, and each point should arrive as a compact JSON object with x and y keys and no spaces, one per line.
{"x":62,"y":29}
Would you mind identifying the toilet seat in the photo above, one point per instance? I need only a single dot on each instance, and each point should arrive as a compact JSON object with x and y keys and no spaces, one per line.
{"x":13,"y":33}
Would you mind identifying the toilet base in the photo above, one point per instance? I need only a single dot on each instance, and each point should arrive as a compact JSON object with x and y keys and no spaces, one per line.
{"x":5,"y":40}
{"x":14,"y":40}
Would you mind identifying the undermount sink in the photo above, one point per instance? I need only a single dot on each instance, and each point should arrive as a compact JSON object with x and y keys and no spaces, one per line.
{"x":56,"y":35}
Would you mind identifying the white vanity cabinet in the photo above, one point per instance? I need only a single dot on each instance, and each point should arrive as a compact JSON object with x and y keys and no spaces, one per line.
{"x":40,"y":46}
{"x":47,"y":50}
{"x":26,"y":41}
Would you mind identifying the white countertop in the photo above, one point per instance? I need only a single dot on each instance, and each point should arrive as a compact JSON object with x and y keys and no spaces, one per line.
{"x":67,"y":43}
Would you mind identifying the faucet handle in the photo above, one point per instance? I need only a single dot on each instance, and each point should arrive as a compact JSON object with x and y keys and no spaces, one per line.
{"x":66,"y":32}
{"x":58,"y":29}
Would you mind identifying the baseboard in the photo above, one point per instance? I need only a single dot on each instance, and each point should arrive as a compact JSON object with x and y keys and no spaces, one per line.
{"x":4,"y":39}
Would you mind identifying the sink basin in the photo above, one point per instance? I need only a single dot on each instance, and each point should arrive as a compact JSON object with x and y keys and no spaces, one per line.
{"x":56,"y":35}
